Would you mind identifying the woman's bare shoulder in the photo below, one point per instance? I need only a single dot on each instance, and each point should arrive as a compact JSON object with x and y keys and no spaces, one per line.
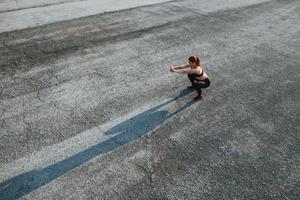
{"x":200,"y":68}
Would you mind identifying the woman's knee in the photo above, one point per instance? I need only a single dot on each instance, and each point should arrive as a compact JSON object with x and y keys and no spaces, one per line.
{"x":208,"y":83}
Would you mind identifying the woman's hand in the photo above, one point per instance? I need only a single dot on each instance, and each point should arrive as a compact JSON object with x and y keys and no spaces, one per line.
{"x":171,"y":69}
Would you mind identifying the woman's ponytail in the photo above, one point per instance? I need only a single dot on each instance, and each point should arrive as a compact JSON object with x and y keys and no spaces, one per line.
{"x":197,"y":60}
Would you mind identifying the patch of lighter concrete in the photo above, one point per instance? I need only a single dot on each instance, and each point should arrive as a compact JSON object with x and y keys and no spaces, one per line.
{"x":67,"y":10}
{"x":245,"y":143}
{"x":190,"y":185}
{"x":268,"y":127}
{"x":178,"y":136}
{"x":140,"y":155}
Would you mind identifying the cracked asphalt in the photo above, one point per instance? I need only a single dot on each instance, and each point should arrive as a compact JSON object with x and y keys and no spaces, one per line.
{"x":89,"y":110}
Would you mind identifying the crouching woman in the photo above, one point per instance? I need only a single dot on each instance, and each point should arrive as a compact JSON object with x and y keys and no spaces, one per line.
{"x":195,"y":73}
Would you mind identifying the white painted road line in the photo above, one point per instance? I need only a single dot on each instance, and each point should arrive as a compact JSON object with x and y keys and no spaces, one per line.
{"x":36,"y":16}
{"x":9,"y":6}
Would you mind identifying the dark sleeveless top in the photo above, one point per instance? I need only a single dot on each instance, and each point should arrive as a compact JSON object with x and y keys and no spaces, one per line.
{"x":199,"y":75}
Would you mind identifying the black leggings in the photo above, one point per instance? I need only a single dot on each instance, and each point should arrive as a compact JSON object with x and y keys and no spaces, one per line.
{"x":199,"y":84}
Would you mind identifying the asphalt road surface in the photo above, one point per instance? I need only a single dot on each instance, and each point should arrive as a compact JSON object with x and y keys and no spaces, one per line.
{"x":89,"y":110}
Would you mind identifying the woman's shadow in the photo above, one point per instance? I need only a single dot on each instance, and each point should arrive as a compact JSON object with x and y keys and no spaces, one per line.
{"x":124,"y":132}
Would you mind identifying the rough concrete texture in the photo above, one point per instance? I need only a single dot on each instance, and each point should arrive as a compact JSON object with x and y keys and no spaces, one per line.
{"x":89,"y":110}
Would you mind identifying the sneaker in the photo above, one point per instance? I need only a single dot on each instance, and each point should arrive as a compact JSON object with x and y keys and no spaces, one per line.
{"x":198,"y":97}
{"x":190,"y":87}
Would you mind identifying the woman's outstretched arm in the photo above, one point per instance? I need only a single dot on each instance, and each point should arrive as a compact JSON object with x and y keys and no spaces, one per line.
{"x":183,"y":66}
{"x":186,"y":71}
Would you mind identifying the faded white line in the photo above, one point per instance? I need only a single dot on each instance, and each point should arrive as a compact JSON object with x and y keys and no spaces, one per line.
{"x":61,"y":151}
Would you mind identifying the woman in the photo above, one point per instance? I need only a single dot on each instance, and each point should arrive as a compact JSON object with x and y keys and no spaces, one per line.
{"x":195,"y":73}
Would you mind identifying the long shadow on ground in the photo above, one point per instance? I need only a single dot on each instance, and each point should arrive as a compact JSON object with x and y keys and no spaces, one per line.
{"x":126,"y":131}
